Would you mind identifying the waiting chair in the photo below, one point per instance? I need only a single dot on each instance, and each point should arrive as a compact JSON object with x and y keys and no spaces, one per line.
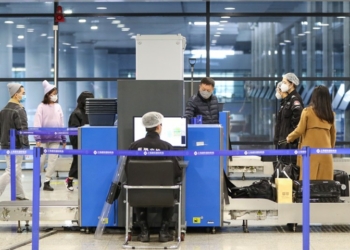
{"x":151,"y":183}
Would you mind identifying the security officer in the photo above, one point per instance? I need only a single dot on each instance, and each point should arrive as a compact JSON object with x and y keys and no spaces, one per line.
{"x":152,"y":142}
{"x":289,"y":115}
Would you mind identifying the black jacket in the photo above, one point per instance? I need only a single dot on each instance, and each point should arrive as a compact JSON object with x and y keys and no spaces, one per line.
{"x":152,"y":141}
{"x":13,"y":116}
{"x":78,"y":118}
{"x":208,"y":108}
{"x":288,"y":116}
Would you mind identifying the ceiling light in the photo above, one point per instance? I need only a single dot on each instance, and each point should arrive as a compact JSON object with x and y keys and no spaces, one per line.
{"x":125,"y":29}
{"x":301,"y":34}
{"x":50,"y":37}
{"x":133,"y":37}
{"x":68,"y":12}
{"x":213,"y":41}
{"x":287,"y":41}
{"x":304,"y":23}
{"x":307,"y":32}
{"x":217,"y":35}
{"x":229,"y":8}
{"x":340,"y":16}
{"x":74,"y":47}
{"x":110,"y":18}
{"x":115,"y":22}
{"x":218,"y":32}
{"x":316,"y":28}
{"x":82,"y":20}
{"x":282,"y":44}
{"x":68,"y":44}
{"x":9,"y":46}
{"x":101,"y":8}
{"x":205,"y":23}
{"x":43,"y":34}
{"x":225,"y":17}
{"x":94,"y":27}
{"x":20,"y":37}
{"x":130,"y":34}
{"x":20,"y":26}
{"x":30,"y":30}
{"x":223,"y":21}
{"x":121,"y":25}
{"x":220,"y":28}
{"x":8,"y":22}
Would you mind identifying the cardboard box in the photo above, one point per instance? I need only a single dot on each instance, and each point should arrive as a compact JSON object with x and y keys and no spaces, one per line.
{"x":284,"y":190}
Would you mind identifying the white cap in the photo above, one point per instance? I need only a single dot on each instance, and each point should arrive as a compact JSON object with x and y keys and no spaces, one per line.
{"x":152,"y":119}
{"x":47,"y":87}
{"x":292,"y":78}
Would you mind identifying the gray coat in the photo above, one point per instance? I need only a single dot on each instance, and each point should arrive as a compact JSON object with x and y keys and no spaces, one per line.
{"x":13,"y":116}
{"x":208,"y":108}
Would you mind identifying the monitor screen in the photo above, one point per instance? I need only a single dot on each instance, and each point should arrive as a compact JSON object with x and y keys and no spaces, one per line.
{"x":174,"y":131}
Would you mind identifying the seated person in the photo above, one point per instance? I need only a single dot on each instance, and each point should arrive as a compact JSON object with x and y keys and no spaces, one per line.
{"x":152,"y":142}
{"x":204,"y":103}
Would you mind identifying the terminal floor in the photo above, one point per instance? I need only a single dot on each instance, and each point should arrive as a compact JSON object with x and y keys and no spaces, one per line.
{"x":262,"y":236}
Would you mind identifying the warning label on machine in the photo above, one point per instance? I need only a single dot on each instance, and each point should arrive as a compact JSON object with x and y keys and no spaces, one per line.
{"x":196,"y":220}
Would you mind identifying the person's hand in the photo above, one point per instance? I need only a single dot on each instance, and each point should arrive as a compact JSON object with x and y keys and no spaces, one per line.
{"x":64,"y":144}
{"x":288,"y":139}
{"x":38,"y":144}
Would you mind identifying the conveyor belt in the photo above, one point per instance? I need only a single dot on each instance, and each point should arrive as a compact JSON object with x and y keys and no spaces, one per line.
{"x":49,"y":210}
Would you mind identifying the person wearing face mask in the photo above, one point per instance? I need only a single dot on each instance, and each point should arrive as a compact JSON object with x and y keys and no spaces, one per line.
{"x":49,"y":114}
{"x":289,"y":115}
{"x":78,"y":118}
{"x":13,"y":116}
{"x":204,"y":103}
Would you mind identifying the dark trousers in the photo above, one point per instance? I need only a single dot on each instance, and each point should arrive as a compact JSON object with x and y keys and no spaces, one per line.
{"x":141,"y":213}
{"x":73,"y":172}
{"x":288,"y":158}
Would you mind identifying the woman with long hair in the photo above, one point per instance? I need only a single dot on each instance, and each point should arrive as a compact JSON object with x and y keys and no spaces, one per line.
{"x":317,"y":130}
{"x":78,"y":118}
{"x":49,"y":114}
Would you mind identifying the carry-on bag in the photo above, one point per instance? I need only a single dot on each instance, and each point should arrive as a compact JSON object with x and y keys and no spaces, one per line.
{"x":343,"y":178}
{"x":320,"y":191}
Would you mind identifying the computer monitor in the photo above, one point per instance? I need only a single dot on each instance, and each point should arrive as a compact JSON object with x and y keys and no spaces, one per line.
{"x":174,"y":130}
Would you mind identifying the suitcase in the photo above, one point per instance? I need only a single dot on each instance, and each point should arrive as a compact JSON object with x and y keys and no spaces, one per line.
{"x":343,"y":178}
{"x":320,"y":191}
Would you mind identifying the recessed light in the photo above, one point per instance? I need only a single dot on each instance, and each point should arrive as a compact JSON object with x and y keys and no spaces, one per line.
{"x":20,"y":26}
{"x":130,"y":34}
{"x":68,"y":11}
{"x":226,"y":17}
{"x":82,"y":20}
{"x":133,"y":37}
{"x":301,"y":34}
{"x":43,"y":34}
{"x":229,"y":8}
{"x":20,"y":37}
{"x":9,"y":46}
{"x":68,"y":44}
{"x":220,"y":28}
{"x":30,"y":30}
{"x":316,"y":28}
{"x":340,"y":16}
{"x":115,"y":22}
{"x":287,"y":41}
{"x":214,"y":41}
{"x":282,"y":44}
{"x":110,"y":18}
{"x":8,"y":22}
{"x":121,"y":25}
{"x":223,"y":21}
{"x":94,"y":27}
{"x":74,"y":47}
{"x":125,"y":29}
{"x":205,"y":23}
{"x":101,"y":8}
{"x":217,"y":35}
{"x":50,"y":37}
{"x":307,"y":32}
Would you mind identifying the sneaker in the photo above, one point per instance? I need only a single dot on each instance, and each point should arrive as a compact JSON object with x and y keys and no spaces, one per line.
{"x":69,"y":184}
{"x":47,"y":186}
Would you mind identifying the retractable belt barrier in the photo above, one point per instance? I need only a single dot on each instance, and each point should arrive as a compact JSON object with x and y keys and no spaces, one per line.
{"x":305,"y":153}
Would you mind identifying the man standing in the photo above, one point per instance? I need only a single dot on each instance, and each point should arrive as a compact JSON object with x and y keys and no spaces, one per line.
{"x":204,"y":103}
{"x":13,"y":116}
{"x":152,"y":142}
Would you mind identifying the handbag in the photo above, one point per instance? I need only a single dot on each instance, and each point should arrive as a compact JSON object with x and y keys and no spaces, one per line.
{"x":259,"y":190}
{"x":285,"y":170}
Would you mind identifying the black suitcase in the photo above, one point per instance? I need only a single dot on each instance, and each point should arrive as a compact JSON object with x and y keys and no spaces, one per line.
{"x":343,"y":178}
{"x":320,"y":191}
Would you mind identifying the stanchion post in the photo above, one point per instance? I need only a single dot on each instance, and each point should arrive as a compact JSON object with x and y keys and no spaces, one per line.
{"x":306,"y":199}
{"x":36,"y":197}
{"x":13,"y":164}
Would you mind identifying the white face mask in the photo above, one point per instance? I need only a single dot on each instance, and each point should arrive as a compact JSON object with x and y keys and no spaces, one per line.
{"x":278,"y":96}
{"x":284,"y":87}
{"x":53,"y":98}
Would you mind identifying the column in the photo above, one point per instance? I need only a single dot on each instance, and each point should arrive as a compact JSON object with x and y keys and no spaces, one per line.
{"x":113,"y":71}
{"x":100,"y":70}
{"x":327,"y":43}
{"x":38,"y":62}
{"x":85,"y":67}
{"x":6,"y":61}
{"x":310,"y":44}
{"x":67,"y":95}
{"x":297,"y":50}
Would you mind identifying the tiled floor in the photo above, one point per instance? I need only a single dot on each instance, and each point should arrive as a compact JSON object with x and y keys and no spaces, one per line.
{"x":230,"y":238}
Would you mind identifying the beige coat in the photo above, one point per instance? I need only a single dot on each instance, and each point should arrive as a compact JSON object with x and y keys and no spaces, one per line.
{"x":315,"y":133}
